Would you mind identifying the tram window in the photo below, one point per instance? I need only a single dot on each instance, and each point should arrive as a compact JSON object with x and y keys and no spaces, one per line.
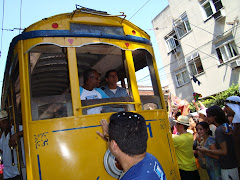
{"x":102,"y":58}
{"x":96,"y":29}
{"x":16,"y":94}
{"x":146,"y":80}
{"x":49,"y":82}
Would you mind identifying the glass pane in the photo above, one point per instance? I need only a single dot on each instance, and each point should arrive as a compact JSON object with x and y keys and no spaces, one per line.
{"x":229,"y":51}
{"x":192,"y":68}
{"x":50,"y":84}
{"x":208,"y":9}
{"x":224,"y":54}
{"x":16,"y":94}
{"x":86,"y":28}
{"x":218,"y":4}
{"x":172,"y":43}
{"x":102,"y":79}
{"x":179,"y":79}
{"x":234,"y":48}
{"x":185,"y":77}
{"x":187,"y":24}
{"x":146,"y":80}
{"x":181,"y":29}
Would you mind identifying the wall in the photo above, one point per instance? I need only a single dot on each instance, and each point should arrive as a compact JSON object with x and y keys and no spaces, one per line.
{"x":204,"y":34}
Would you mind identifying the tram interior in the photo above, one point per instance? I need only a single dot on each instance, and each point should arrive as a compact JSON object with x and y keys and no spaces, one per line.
{"x":50,"y":83}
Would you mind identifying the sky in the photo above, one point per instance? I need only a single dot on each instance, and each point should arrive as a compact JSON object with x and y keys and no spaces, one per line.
{"x":140,"y":12}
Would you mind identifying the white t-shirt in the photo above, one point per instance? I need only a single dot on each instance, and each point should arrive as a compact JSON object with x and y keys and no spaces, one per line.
{"x":87,"y":95}
{"x":114,"y":90}
{"x":10,"y":171}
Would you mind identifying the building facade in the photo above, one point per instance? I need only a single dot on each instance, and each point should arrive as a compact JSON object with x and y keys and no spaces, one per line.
{"x":199,"y":43}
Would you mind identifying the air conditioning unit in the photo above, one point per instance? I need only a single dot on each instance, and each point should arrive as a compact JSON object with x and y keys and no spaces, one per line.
{"x":219,"y":14}
{"x":235,"y":64}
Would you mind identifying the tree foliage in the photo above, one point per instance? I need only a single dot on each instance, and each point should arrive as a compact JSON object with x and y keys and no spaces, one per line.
{"x":218,"y":99}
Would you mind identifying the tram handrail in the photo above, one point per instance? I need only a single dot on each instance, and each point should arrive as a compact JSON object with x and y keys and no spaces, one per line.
{"x":103,"y":104}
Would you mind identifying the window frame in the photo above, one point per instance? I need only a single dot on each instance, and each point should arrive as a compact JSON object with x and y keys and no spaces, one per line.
{"x":49,"y":55}
{"x":192,"y":60}
{"x":214,"y":9}
{"x":224,"y":47}
{"x":182,"y":21}
{"x":181,"y":71}
{"x":168,"y":39}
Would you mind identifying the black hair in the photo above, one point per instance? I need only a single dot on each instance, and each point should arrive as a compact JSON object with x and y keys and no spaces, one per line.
{"x":205,"y":125}
{"x":87,"y":74}
{"x":185,"y":127}
{"x":177,"y":114}
{"x":218,"y":113}
{"x":108,"y":72}
{"x":129,"y":131}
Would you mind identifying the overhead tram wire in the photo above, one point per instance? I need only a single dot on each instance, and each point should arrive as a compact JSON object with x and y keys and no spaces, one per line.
{"x":165,"y":74}
{"x":198,"y":47}
{"x":20,"y":16}
{"x":2,"y":28}
{"x":198,"y":26}
{"x":138,"y":10}
{"x":9,"y":29}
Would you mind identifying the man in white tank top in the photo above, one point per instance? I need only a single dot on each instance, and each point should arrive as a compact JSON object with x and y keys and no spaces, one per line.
{"x":90,"y":91}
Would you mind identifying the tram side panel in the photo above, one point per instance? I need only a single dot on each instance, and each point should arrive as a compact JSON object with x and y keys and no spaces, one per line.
{"x":69,"y":148}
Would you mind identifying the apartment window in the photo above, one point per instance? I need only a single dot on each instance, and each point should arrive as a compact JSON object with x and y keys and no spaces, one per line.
{"x":194,"y":64}
{"x":210,"y":7}
{"x":226,"y":51}
{"x":171,"y":41}
{"x":182,"y":25}
{"x":182,"y":76}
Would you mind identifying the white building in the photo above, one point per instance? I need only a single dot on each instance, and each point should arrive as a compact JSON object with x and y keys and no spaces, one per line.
{"x":199,"y":39}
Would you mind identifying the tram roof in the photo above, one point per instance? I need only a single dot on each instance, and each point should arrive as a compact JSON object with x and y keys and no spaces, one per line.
{"x":43,"y":28}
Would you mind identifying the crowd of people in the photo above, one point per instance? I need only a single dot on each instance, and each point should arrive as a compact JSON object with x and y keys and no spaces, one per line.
{"x":207,"y":143}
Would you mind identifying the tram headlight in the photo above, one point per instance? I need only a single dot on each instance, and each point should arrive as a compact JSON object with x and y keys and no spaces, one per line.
{"x":111,"y":165}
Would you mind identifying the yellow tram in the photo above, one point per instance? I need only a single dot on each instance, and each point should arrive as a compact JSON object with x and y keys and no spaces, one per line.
{"x":44,"y":71}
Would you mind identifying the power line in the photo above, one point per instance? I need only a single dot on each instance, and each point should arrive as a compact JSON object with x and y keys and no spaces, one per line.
{"x":2,"y":27}
{"x":197,"y":47}
{"x":12,"y":29}
{"x":20,"y":16}
{"x":139,"y":10}
{"x":198,"y":15}
{"x":166,"y":74}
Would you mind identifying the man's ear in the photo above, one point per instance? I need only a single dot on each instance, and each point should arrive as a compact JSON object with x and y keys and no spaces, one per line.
{"x":114,"y":145}
{"x":106,"y":79}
